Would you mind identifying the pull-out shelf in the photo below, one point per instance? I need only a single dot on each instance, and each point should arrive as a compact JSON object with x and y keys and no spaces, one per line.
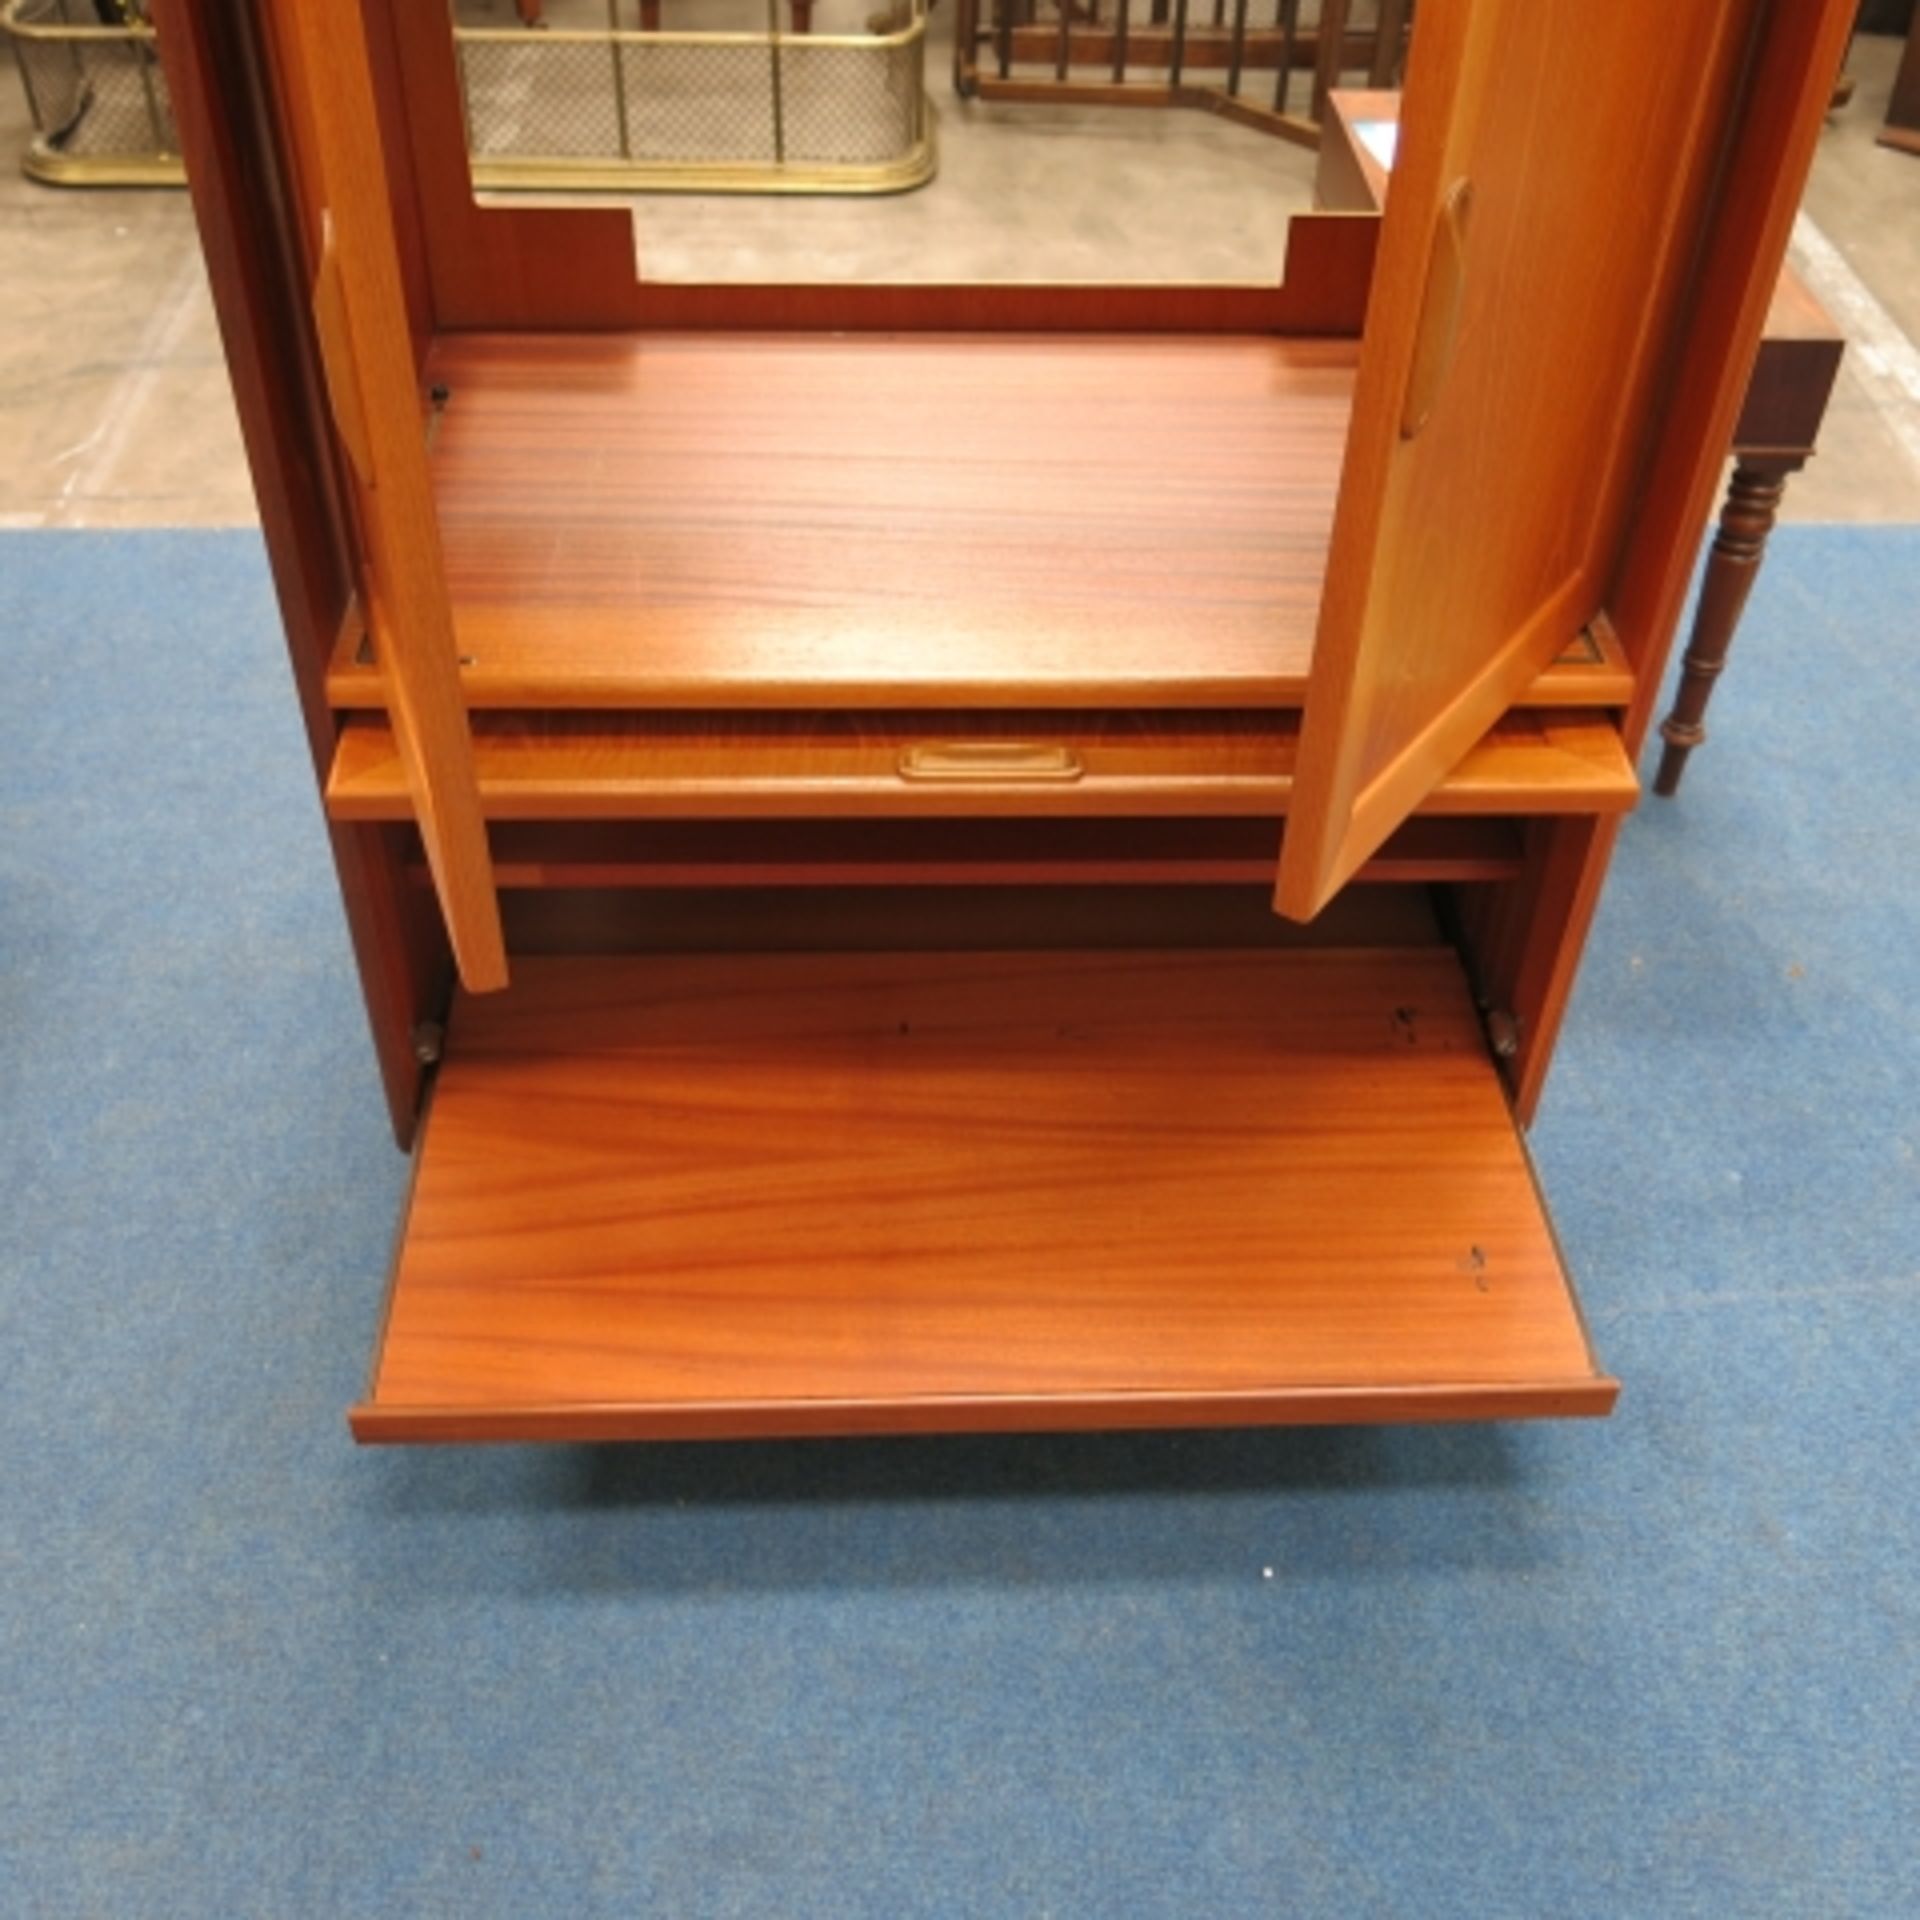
{"x":603,"y":766}
{"x":814,"y":1193}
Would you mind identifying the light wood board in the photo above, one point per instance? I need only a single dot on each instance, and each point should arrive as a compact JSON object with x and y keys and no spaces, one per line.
{"x":803,"y":1193}
{"x":688,"y":520}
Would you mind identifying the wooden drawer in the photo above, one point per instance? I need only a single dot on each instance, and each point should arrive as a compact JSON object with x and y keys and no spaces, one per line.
{"x":705,"y":1195}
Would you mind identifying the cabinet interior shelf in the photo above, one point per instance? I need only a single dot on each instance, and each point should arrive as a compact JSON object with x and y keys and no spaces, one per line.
{"x":685,"y":520}
{"x":641,"y":520}
{"x":660,"y":520}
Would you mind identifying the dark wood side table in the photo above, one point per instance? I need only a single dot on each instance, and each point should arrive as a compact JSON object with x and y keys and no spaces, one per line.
{"x":1903,"y":110}
{"x":1774,"y":438}
{"x":1779,"y":422}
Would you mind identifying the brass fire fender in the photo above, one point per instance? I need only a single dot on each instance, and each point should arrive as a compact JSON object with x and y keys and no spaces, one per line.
{"x":96,"y":96}
{"x":765,"y":112}
{"x":99,"y":105}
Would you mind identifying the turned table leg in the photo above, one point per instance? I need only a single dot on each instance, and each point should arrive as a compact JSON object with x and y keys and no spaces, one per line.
{"x":1752,"y":504}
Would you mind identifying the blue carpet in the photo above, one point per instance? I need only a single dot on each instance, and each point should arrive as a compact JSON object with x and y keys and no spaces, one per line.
{"x":1665,"y":1665}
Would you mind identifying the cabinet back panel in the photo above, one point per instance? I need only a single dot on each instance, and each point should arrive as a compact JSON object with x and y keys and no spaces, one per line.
{"x":949,"y":919}
{"x":540,"y":267}
{"x":960,"y":853}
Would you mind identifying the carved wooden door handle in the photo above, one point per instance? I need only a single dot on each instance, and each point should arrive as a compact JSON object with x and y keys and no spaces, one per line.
{"x":334,"y":325}
{"x":1439,"y":331}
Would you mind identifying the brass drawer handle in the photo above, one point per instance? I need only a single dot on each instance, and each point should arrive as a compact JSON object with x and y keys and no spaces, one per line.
{"x":1007,"y":760}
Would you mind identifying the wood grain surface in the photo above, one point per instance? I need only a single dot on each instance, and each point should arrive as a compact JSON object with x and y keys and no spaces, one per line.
{"x":585,"y":766}
{"x":804,"y":1193}
{"x":679,"y":520}
{"x":1593,"y":671}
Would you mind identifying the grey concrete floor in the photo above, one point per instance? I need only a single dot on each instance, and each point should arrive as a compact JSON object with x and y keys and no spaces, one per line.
{"x":1858,"y":244}
{"x":114,"y":409}
{"x":1022,"y":192}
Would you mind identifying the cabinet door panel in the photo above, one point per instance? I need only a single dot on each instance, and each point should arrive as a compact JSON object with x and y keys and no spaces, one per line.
{"x":1556,"y":164}
{"x":366,"y":342}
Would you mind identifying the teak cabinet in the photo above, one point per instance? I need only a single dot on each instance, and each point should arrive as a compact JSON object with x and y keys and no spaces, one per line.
{"x":951,"y":857}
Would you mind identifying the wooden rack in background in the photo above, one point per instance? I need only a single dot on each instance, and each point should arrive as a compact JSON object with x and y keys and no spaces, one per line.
{"x":1228,"y":62}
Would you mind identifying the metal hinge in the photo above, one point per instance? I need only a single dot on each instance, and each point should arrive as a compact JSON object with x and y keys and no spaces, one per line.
{"x":1503,"y":1032}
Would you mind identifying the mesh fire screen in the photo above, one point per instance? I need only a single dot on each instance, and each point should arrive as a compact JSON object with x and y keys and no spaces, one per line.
{"x":753,"y":109}
{"x":96,"y":92}
{"x":760,"y":107}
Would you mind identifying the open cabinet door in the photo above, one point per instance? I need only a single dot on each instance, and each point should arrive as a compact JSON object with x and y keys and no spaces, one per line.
{"x":360,"y":315}
{"x":1558,"y":169}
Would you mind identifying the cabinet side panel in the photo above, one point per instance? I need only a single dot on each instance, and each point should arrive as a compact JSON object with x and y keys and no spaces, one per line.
{"x":1764,"y":171}
{"x":246,"y":214}
{"x":1525,"y":942}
